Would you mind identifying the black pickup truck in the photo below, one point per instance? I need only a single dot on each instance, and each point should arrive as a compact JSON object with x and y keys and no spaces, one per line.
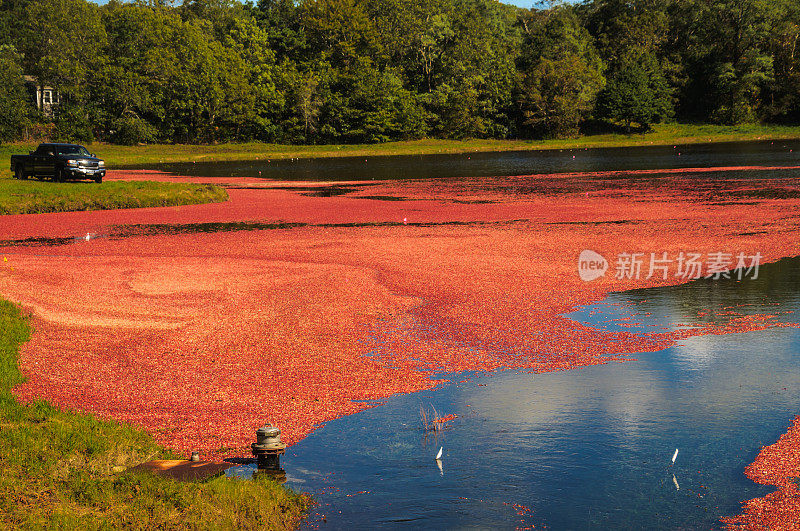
{"x":59,"y":162}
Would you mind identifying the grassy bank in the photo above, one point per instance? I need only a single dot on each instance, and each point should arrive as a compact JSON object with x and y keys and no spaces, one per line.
{"x":57,"y":470}
{"x":662,"y":134}
{"x":31,"y":197}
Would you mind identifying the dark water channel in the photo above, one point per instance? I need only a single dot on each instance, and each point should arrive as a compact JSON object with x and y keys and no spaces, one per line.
{"x":766,"y":153}
{"x":581,"y":449}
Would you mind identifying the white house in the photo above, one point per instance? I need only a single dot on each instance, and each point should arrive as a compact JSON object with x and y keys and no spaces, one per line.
{"x":46,"y":98}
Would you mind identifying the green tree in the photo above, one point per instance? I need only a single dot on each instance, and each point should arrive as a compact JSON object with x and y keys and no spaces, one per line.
{"x":340,"y":32}
{"x":134,"y":88}
{"x":740,"y":87}
{"x":636,"y":92}
{"x":473,"y":78}
{"x":211,"y":94}
{"x":172,"y":76}
{"x":73,"y":123}
{"x":13,"y":98}
{"x":252,"y":43}
{"x":281,"y":20}
{"x":57,"y":55}
{"x":561,"y":72}
{"x":12,"y":16}
{"x":784,"y":93}
{"x":632,"y":37}
{"x":377,"y":70}
{"x":430,"y":46}
{"x":726,"y":46}
{"x":625,"y":28}
{"x":221,"y":15}
{"x":372,"y":106}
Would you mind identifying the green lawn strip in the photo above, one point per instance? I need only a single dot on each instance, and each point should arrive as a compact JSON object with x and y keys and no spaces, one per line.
{"x":33,"y":197}
{"x":662,"y":134}
{"x":57,"y":469}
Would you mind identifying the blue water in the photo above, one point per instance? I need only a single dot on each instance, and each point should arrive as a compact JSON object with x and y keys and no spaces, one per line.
{"x":582,"y":449}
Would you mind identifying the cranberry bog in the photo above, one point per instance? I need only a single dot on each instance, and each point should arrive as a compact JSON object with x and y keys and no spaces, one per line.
{"x":299,"y":303}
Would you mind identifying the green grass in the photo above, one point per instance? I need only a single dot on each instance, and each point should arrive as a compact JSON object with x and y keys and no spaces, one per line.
{"x":57,"y":470}
{"x":662,"y":134}
{"x":32,"y":197}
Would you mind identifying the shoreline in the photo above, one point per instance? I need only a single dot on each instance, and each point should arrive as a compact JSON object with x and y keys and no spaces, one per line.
{"x":662,"y":135}
{"x":62,"y":466}
{"x":777,"y":465}
{"x":540,"y":223}
{"x":502,"y":287}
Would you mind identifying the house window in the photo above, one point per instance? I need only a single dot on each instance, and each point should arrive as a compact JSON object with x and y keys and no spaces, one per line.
{"x":47,"y":97}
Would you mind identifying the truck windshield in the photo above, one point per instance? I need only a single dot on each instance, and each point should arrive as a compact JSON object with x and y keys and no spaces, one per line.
{"x":73,"y":150}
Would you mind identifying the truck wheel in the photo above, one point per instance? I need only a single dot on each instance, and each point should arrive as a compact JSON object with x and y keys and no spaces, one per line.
{"x":98,"y":179}
{"x":19,"y":174}
{"x":59,"y":176}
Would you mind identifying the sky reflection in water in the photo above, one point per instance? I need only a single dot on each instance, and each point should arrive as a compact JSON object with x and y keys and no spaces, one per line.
{"x":588,"y":448}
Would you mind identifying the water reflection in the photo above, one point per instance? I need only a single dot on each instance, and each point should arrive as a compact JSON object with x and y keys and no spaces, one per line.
{"x":589,"y":448}
{"x":778,"y":153}
{"x":776,"y":291}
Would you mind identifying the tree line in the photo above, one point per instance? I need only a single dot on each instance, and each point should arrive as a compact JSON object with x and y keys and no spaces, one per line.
{"x":343,"y":71}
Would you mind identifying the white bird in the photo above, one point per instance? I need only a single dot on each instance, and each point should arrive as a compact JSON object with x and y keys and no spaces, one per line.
{"x":674,"y":456}
{"x":439,"y":455}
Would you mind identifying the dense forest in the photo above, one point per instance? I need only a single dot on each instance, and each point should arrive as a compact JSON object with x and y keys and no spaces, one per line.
{"x":342,"y":71}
